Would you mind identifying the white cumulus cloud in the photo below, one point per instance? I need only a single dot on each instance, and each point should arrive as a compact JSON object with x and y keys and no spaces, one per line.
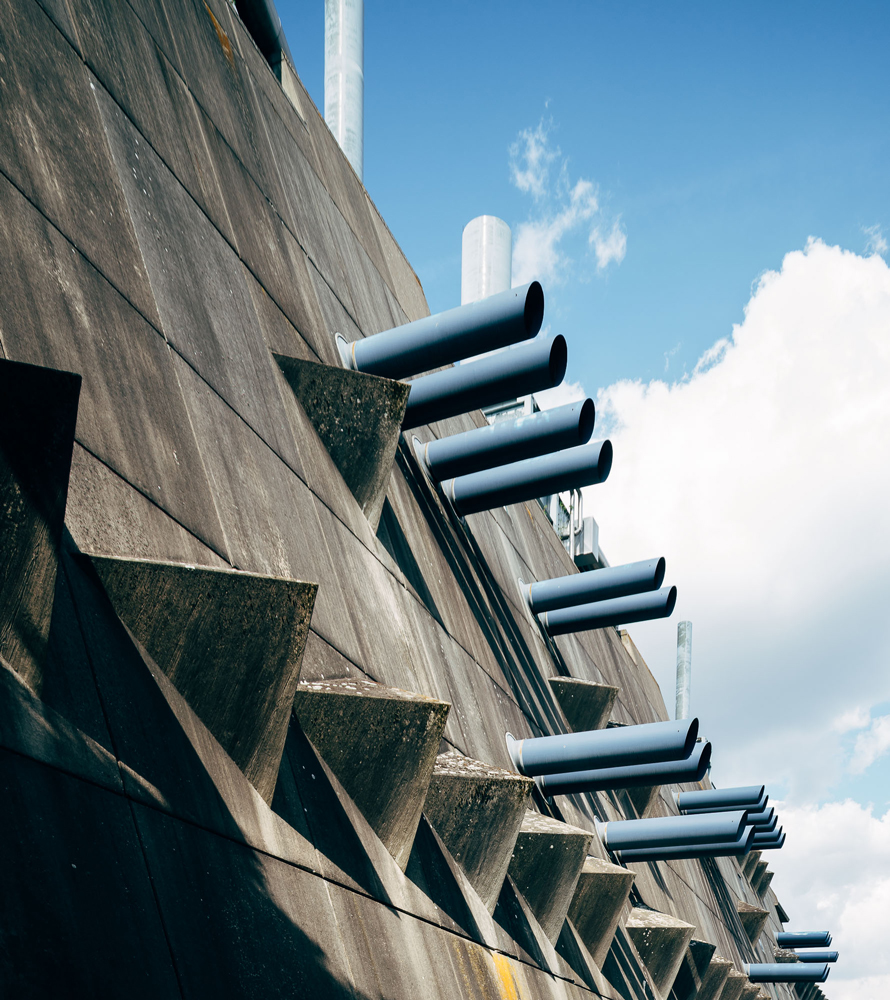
{"x":834,"y":874}
{"x":550,"y":243}
{"x":764,"y":478}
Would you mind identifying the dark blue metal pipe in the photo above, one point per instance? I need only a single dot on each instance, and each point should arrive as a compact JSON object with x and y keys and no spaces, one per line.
{"x":816,"y":956}
{"x":672,"y":831}
{"x":509,"y":441}
{"x":599,"y":585}
{"x":772,"y":846}
{"x":744,"y":796}
{"x":434,"y":341}
{"x":765,"y":841}
{"x":535,"y":477}
{"x":787,"y":972}
{"x":693,"y":768}
{"x":517,"y":372}
{"x":764,"y":820}
{"x":262,"y":21}
{"x":803,"y":939}
{"x":620,"y":747}
{"x":738,"y":848}
{"x":618,"y":611}
{"x":750,"y":806}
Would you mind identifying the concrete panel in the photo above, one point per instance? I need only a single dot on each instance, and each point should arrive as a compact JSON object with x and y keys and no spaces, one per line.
{"x":753,"y":919}
{"x":38,"y":413}
{"x":79,"y":917}
{"x":282,"y":334}
{"x":477,"y":810}
{"x":114,"y":40}
{"x":241,"y":924}
{"x":33,"y":729}
{"x":546,"y":866}
{"x":585,"y":704}
{"x":109,"y":517}
{"x":596,"y":906}
{"x":381,"y":743}
{"x":205,"y":308}
{"x":231,"y":643}
{"x":65,"y":171}
{"x":661,"y":941}
{"x":359,"y":420}
{"x":60,"y":313}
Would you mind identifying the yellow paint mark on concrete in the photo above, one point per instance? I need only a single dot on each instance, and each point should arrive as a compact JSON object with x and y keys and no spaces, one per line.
{"x":505,"y":976}
{"x":223,"y":38}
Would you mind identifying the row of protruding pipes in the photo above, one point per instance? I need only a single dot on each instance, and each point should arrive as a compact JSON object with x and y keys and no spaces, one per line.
{"x":511,"y":461}
{"x":548,"y":453}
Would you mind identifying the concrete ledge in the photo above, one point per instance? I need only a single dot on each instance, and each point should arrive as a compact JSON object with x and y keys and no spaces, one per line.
{"x":714,"y":979}
{"x":753,"y":919}
{"x":585,"y":704}
{"x":381,"y":743}
{"x":358,"y":418}
{"x":749,"y":991}
{"x":38,"y":413}
{"x":756,"y":874}
{"x":749,"y":862}
{"x":763,"y":883}
{"x":784,"y":955}
{"x":661,"y":941}
{"x":231,"y":642}
{"x":735,"y":982}
{"x":546,"y":865}
{"x":597,"y":904}
{"x":477,"y":810}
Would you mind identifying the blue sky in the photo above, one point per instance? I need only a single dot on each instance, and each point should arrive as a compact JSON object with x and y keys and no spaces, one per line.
{"x":722,"y":135}
{"x":730,"y":164}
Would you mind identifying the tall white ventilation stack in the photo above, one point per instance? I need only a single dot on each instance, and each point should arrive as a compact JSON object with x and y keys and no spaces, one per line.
{"x":344,"y":76}
{"x":486,"y":258}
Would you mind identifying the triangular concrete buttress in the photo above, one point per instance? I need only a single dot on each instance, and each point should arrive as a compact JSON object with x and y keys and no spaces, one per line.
{"x":596,"y":906}
{"x":477,"y":809}
{"x":231,"y":642}
{"x":358,"y":418}
{"x":546,"y":865}
{"x":381,"y":743}
{"x":661,"y":941}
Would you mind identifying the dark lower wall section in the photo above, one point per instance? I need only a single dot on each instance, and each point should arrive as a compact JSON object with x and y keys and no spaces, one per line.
{"x":172,"y":225}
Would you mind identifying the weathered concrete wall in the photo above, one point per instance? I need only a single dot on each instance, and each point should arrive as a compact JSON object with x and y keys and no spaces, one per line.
{"x":170,"y":221}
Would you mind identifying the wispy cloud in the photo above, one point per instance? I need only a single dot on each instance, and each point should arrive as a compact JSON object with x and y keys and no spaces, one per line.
{"x":549,"y":245}
{"x":871,"y":744}
{"x":876,"y":242}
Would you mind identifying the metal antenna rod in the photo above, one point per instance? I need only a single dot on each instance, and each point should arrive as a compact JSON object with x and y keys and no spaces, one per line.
{"x":684,"y":669}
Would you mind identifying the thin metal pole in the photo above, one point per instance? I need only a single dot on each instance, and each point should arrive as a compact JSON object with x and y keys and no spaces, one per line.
{"x":684,"y":669}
